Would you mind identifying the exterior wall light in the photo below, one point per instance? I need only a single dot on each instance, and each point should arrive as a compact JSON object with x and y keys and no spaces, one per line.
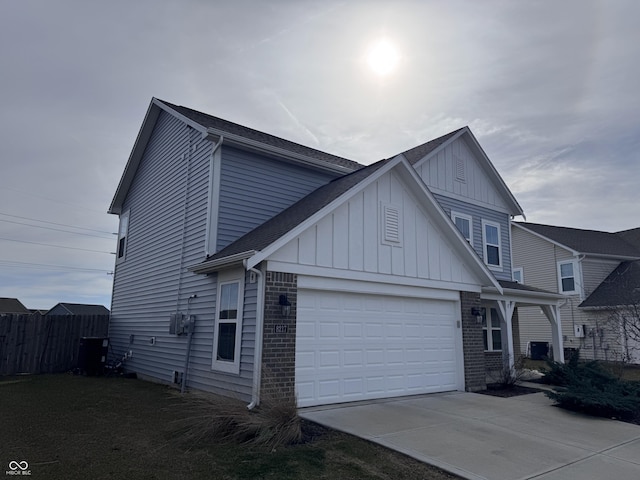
{"x":477,"y":312}
{"x":285,"y":306}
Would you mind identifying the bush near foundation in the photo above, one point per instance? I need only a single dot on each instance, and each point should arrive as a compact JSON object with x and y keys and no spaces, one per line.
{"x":589,"y":388}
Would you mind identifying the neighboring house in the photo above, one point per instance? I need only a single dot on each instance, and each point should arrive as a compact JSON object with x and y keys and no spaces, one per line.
{"x":248,"y":265}
{"x":596,"y":271}
{"x":13,"y":306}
{"x":78,"y":309}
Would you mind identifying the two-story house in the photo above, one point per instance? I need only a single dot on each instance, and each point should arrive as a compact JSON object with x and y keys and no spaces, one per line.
{"x":248,"y":264}
{"x":596,"y":271}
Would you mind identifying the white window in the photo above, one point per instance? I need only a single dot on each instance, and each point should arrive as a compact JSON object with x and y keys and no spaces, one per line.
{"x":491,"y":333}
{"x":228,"y":324}
{"x":122,"y":236}
{"x":518,"y":275}
{"x":464,"y":224}
{"x":567,"y":276}
{"x":491,"y":243}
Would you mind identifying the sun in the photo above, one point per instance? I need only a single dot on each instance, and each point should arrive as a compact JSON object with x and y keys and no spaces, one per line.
{"x":383,"y":57}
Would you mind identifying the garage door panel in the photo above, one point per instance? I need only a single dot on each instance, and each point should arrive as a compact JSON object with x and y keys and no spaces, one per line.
{"x":358,"y":346}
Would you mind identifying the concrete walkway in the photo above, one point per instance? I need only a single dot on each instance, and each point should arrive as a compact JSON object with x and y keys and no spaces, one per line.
{"x":483,"y":437}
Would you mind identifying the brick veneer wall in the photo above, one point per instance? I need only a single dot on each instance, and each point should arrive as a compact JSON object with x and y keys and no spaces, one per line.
{"x":473,"y":345}
{"x":279,"y":348}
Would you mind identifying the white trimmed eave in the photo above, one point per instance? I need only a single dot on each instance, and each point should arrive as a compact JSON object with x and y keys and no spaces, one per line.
{"x":243,"y":143}
{"x":221,"y":263}
{"x":522,"y":297}
{"x":418,"y":187}
{"x":487,"y":166}
{"x":148,"y":124}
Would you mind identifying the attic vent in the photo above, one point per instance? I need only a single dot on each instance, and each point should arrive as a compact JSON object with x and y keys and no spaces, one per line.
{"x":459,"y":166}
{"x":391,"y":224}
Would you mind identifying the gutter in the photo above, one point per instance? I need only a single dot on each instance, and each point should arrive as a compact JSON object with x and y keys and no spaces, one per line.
{"x":257,"y":363}
{"x":228,"y":261}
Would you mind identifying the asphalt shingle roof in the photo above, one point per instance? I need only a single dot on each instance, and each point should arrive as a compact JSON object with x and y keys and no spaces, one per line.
{"x":522,"y":286}
{"x":587,"y":241}
{"x":270,"y":231}
{"x":209,"y":121}
{"x":416,"y":154}
{"x":84,"y":309}
{"x":12,"y":305}
{"x":621,"y":287}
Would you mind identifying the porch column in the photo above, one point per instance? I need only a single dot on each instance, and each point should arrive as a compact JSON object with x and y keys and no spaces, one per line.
{"x":506,"y":309}
{"x":552,"y":312}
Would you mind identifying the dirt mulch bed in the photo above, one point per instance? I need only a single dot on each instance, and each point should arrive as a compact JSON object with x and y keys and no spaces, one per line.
{"x":506,"y":392}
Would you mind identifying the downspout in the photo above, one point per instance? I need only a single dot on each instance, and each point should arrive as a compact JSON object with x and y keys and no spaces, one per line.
{"x":257,"y":363}
{"x":191,"y":325}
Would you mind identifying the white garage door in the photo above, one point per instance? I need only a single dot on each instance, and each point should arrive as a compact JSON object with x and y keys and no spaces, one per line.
{"x":352,"y":346}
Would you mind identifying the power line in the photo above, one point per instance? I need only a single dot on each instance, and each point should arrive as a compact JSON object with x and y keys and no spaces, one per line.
{"x":58,"y":224}
{"x":58,"y":246}
{"x":11,"y":263}
{"x":55,"y":229}
{"x":31,"y":194}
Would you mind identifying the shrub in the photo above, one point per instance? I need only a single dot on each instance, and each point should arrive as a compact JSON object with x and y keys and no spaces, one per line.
{"x":590,"y":389}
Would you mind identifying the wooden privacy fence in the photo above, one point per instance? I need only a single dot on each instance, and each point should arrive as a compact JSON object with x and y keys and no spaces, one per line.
{"x":41,"y":344}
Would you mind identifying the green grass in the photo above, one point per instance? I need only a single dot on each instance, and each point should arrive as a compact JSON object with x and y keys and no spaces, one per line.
{"x":70,"y":427}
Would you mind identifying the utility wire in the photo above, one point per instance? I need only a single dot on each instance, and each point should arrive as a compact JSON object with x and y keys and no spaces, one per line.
{"x":58,"y":224}
{"x":58,"y":246}
{"x":55,"y":229}
{"x":11,"y":263}
{"x":31,"y":194}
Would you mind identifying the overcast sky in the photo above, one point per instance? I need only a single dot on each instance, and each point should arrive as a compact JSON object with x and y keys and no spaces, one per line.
{"x":549,"y":88}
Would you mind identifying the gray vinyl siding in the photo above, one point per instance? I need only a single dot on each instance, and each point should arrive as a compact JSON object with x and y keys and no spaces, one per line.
{"x":254,"y":188}
{"x":478,"y":214}
{"x":539,"y":259}
{"x":153,"y":281}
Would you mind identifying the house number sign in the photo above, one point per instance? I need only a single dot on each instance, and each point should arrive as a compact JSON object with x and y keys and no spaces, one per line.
{"x":281,"y":328}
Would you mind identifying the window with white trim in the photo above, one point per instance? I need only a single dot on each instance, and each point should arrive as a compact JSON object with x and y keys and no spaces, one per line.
{"x":491,"y":244}
{"x":567,"y":276}
{"x":123,"y":228}
{"x":518,"y":275}
{"x":228,"y":324}
{"x":491,"y":333}
{"x":464,"y":224}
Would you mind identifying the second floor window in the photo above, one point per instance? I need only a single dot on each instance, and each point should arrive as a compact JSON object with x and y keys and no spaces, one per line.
{"x":463,"y":222}
{"x":491,"y":240}
{"x":567,"y":277}
{"x":122,"y":236}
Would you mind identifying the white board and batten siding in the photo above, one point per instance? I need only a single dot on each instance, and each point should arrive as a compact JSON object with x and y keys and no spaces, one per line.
{"x":455,"y":171}
{"x":349,"y":239}
{"x":375,"y":318}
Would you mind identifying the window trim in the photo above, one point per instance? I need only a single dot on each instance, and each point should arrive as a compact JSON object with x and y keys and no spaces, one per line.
{"x":574,"y":266}
{"x":485,"y":224}
{"x":225,"y":278}
{"x":490,"y":327}
{"x":123,"y":237}
{"x":463,"y":216}
{"x":518,"y":269}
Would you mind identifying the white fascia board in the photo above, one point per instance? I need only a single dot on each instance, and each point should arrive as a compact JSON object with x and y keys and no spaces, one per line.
{"x":446,"y":224}
{"x":220,"y":263}
{"x":144,"y":134}
{"x":524,"y":297}
{"x":379,"y":278}
{"x":282,"y":241}
{"x":259,"y":147}
{"x":573,"y":252}
{"x":148,"y":124}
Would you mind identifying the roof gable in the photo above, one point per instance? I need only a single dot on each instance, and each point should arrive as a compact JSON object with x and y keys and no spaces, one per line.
{"x":64,"y":308}
{"x":441,"y":244}
{"x":591,"y":242}
{"x":217,"y":129}
{"x":456,"y":165}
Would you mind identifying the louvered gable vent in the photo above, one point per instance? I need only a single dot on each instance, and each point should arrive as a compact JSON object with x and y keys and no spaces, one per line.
{"x":391,"y":224}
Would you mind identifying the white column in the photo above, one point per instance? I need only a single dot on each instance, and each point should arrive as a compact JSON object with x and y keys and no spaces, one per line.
{"x":505,"y":310}
{"x":552,"y":312}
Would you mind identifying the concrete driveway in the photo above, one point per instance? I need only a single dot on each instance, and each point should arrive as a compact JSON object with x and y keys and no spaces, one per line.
{"x":482,"y":437}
